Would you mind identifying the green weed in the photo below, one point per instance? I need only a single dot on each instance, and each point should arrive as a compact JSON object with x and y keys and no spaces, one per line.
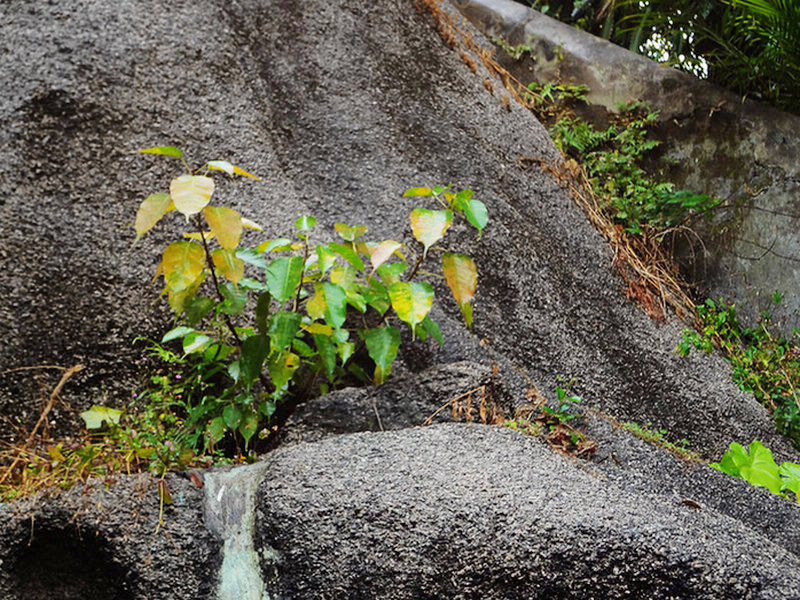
{"x":659,"y":438}
{"x":757,"y":466}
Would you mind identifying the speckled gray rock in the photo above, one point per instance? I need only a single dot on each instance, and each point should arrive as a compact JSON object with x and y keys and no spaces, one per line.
{"x":477,"y":512}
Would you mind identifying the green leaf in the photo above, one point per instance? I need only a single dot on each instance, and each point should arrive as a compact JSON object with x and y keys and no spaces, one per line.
{"x":196,"y":342}
{"x":228,"y":264}
{"x":175,"y":333}
{"x":278,"y":245}
{"x":390,"y":274}
{"x":232,"y":415}
{"x":254,"y":351}
{"x":348,"y":254}
{"x":462,"y":279}
{"x":281,"y":369}
{"x":305,"y":223}
{"x":262,"y":312}
{"x":251,"y":257}
{"x":163,"y":150}
{"x":476,"y":213}
{"x":411,"y":301}
{"x":248,"y":426}
{"x":197,"y":309}
{"x":329,"y":303}
{"x":283,"y":277}
{"x":283,"y":327}
{"x":382,"y":345}
{"x":790,"y":478}
{"x":377,"y":296}
{"x":429,"y":226}
{"x":150,"y":212}
{"x":191,"y":193}
{"x":431,"y":327}
{"x":327,"y":353}
{"x":758,"y":467}
{"x":325,"y":258}
{"x":226,"y":224}
{"x":235,"y":299}
{"x":215,"y":430}
{"x":350,"y":234}
{"x":97,"y":415}
{"x":418,"y":191}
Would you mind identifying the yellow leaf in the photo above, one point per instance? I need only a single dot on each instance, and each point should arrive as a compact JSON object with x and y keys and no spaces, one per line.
{"x":191,"y":193}
{"x":248,"y":224}
{"x":227,"y":263}
{"x":462,"y":278}
{"x":382,"y":252}
{"x":239,"y":171}
{"x":226,"y":224}
{"x":195,"y":235}
{"x":182,"y":264}
{"x":150,"y":212}
{"x":318,"y":328}
{"x":429,"y":226}
{"x":178,"y":300}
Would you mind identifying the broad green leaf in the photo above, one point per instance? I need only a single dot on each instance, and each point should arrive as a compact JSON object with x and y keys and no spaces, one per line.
{"x":283,"y":277}
{"x":252,"y":257}
{"x":262,"y":312}
{"x":235,"y":299}
{"x":281,"y":369}
{"x":248,"y":426}
{"x":476,"y":213}
{"x":267,"y":408}
{"x":325,"y":258}
{"x":163,"y":150}
{"x":254,"y":351}
{"x":329,"y":302}
{"x":176,"y":333}
{"x":283,"y":327}
{"x":350,"y":234}
{"x":758,"y":467}
{"x":327,"y":353}
{"x":150,"y":212}
{"x":382,"y":345}
{"x":191,"y":193}
{"x":215,"y":430}
{"x":182,"y":263}
{"x":305,"y":223}
{"x":196,"y":342}
{"x":411,"y":301}
{"x":381,"y":253}
{"x":390,"y":273}
{"x":227,"y":263}
{"x":377,"y":296}
{"x":97,"y":415}
{"x":232,"y":415}
{"x":429,"y":226}
{"x":197,"y":309}
{"x":418,"y":191}
{"x":303,"y":349}
{"x":790,"y":478}
{"x":346,"y":350}
{"x":431,"y":327}
{"x":226,"y":224}
{"x":462,"y":279}
{"x":348,"y":254}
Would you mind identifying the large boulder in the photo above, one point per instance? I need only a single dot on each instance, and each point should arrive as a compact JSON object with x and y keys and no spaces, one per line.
{"x":339,"y":106}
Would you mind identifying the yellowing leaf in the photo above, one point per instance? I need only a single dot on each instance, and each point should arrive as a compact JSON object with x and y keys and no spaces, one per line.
{"x":227,"y":263}
{"x":248,"y":224}
{"x":462,"y":278}
{"x":239,"y":171}
{"x":97,"y":415}
{"x":350,"y":234}
{"x":182,"y":264}
{"x":318,"y":329}
{"x":195,"y":235}
{"x":381,"y":253}
{"x":164,"y":150}
{"x":150,"y":212}
{"x":411,"y":301}
{"x":191,"y":193}
{"x":226,"y":224}
{"x":418,"y":191}
{"x":429,"y":226}
{"x":221,"y":165}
